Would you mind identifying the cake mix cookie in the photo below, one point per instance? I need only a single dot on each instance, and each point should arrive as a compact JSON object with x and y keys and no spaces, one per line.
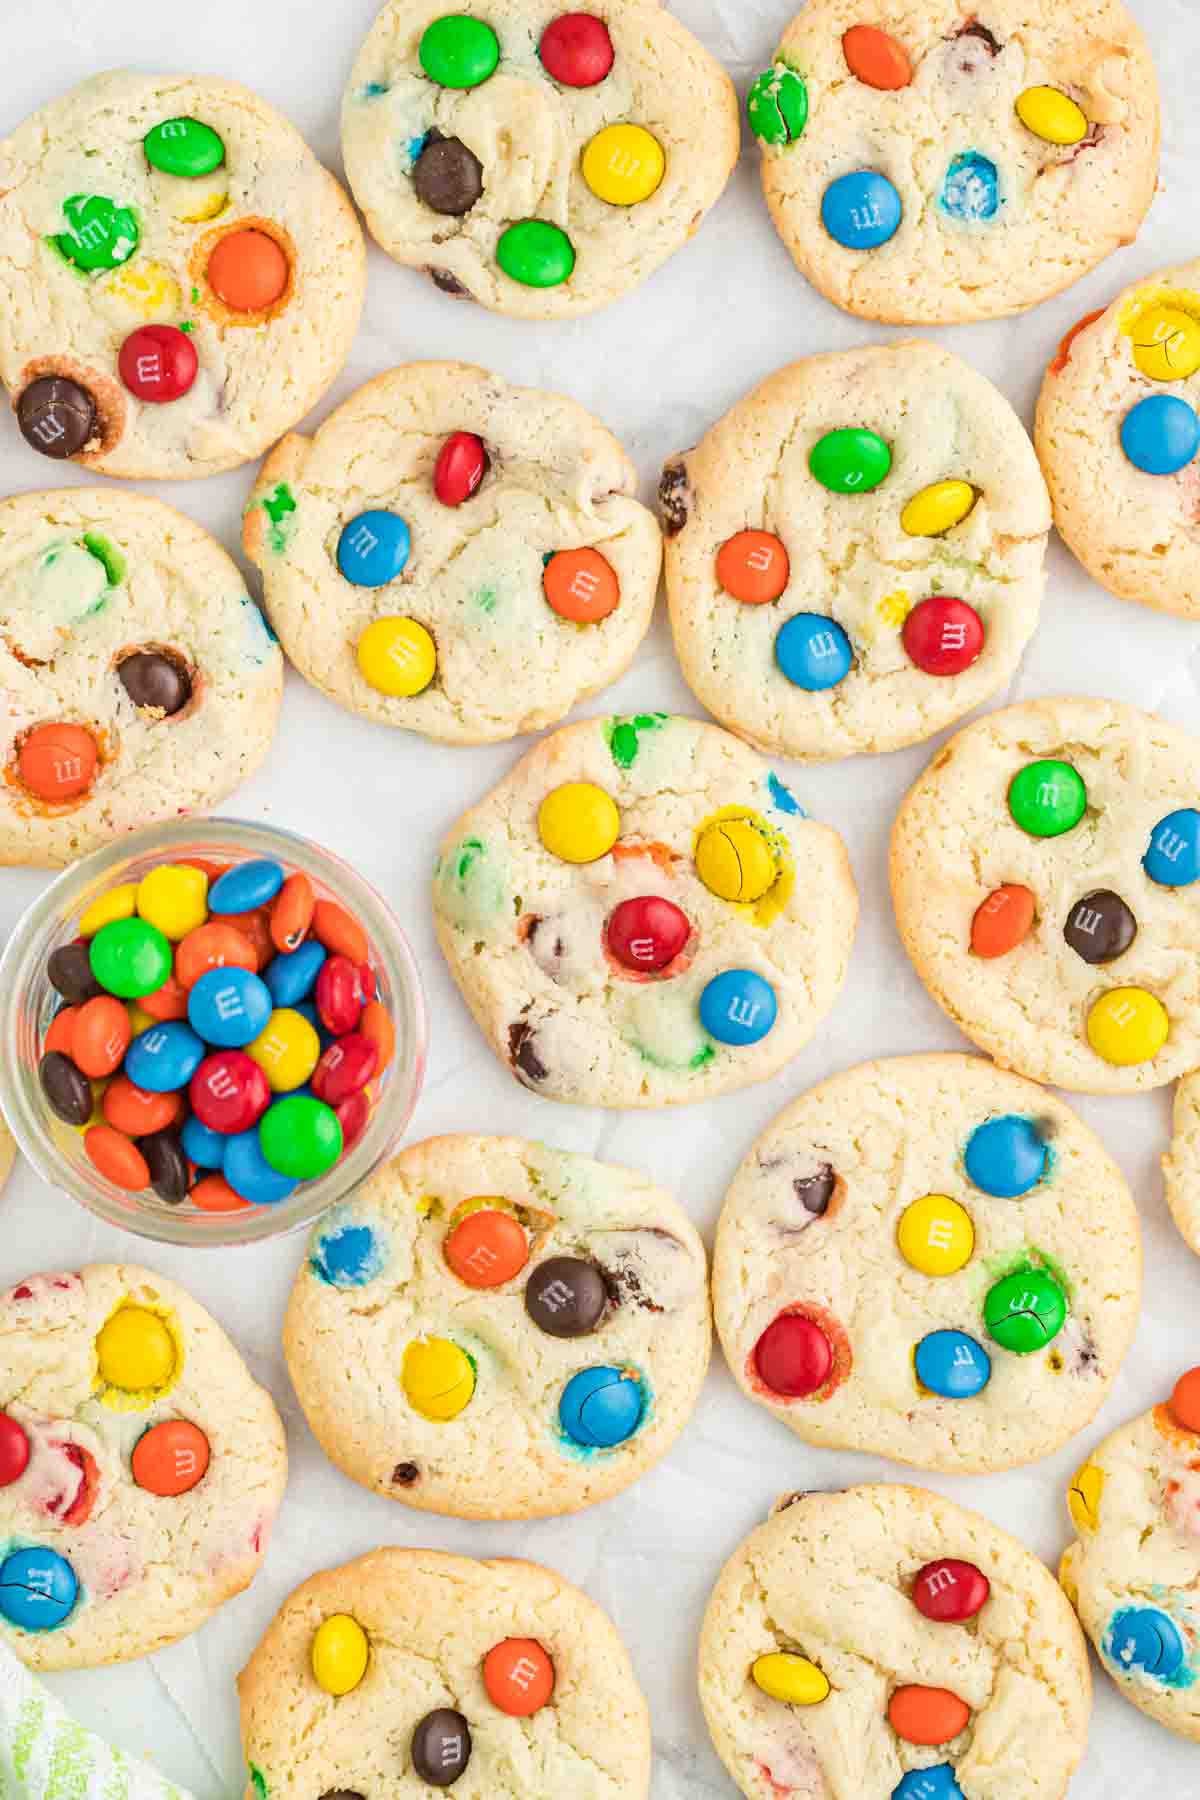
{"x":180,"y":279}
{"x":929,"y":162}
{"x":854,"y":552}
{"x":140,"y":1467}
{"x":1181,"y":1165}
{"x":931,"y":1259}
{"x":882,"y":1643}
{"x":640,"y":914}
{"x":139,"y":679}
{"x":1133,"y":1573}
{"x":1044,"y":871}
{"x":455,"y":555}
{"x":543,"y":162}
{"x":485,"y":1292}
{"x":1118,"y":429}
{"x":409,"y":1670}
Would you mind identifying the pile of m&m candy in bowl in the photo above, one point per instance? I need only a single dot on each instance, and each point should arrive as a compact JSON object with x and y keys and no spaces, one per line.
{"x":211,"y":1033}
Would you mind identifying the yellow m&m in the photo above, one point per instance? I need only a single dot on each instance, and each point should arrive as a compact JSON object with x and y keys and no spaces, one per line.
{"x":1166,"y":343}
{"x":623,"y":164}
{"x":398,"y":657}
{"x":118,"y":903}
{"x":578,"y":822}
{"x":135,"y":1352}
{"x":734,"y":861}
{"x":173,"y":898}
{"x":1083,"y":1497}
{"x":1052,"y":115}
{"x":286,"y":1050}
{"x":935,"y":1235}
{"x":792,"y":1679}
{"x":146,"y":288}
{"x":1127,"y":1026}
{"x":938,"y":508}
{"x":437,"y":1378}
{"x":339,"y":1654}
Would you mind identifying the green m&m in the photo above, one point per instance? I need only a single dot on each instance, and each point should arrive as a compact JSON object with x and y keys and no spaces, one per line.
{"x":130,"y":958}
{"x":185,"y":147}
{"x":850,"y":461}
{"x":458,"y":51}
{"x":300,"y":1136}
{"x":777,"y":105}
{"x":1025,"y":1311}
{"x":536,"y":253}
{"x":1047,"y":798}
{"x":100,"y":234}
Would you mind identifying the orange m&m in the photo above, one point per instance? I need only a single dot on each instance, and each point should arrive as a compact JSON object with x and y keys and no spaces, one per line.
{"x":58,"y":762}
{"x":927,"y":1715}
{"x":117,"y":1158}
{"x":171,"y":1458}
{"x":216,"y":945}
{"x":876,"y":59}
{"x":753,"y":566}
{"x":248,"y":271}
{"x":581,"y":585}
{"x":214,"y":1194}
{"x":291,"y":913}
{"x":170,"y":1001}
{"x":518,"y":1676}
{"x":1184,"y":1404}
{"x":100,"y":1036}
{"x":341,"y":935}
{"x":487,"y":1248}
{"x":136,"y":1111}
{"x":1003,"y":920}
{"x":376,"y":1024}
{"x":62,"y":1030}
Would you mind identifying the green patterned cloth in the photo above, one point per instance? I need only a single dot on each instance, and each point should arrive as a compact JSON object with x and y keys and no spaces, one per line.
{"x":45,"y":1755}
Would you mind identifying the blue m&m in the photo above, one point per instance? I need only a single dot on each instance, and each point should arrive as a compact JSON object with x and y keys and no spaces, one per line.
{"x":738,"y":1007}
{"x":1173,"y":859}
{"x":164,"y":1057}
{"x":229,"y":1007}
{"x":861,"y":210}
{"x":249,"y":1173}
{"x":953,"y":1365}
{"x":813,"y":652}
{"x":601,"y":1407}
{"x":205,"y":1147}
{"x":1006,"y":1157}
{"x":1161,"y":434}
{"x":971,"y":190}
{"x":292,"y":976}
{"x":937,"y":1783}
{"x":349,"y":1256}
{"x":1143,"y":1638}
{"x":38,"y":1589}
{"x":250,"y":885}
{"x":373,"y":548}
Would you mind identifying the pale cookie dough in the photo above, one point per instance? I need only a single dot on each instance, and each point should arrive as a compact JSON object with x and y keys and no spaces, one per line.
{"x":88,"y":578}
{"x":817,"y":1223}
{"x":1133,"y":1573}
{"x":506,"y":660}
{"x":994,"y":218}
{"x":528,"y":133}
{"x":258,"y":372}
{"x":849,"y":559}
{"x":430,"y":1620}
{"x":150,"y":1567}
{"x":830,"y":1577}
{"x":1137,"y":534}
{"x":377,"y":1280}
{"x":955,"y":844}
{"x":528,"y":935}
{"x":1181,"y":1164}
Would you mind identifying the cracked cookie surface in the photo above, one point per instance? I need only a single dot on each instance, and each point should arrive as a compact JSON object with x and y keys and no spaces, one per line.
{"x":863,"y":568}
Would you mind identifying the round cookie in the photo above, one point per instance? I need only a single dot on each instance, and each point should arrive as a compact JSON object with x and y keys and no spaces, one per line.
{"x":484,"y":1294}
{"x":1181,"y":1164}
{"x":641,"y":914}
{"x":140,"y":1467}
{"x":1133,"y":1572}
{"x":882,"y":1643}
{"x":925,"y":165}
{"x":930,"y":1259}
{"x":1118,"y":428}
{"x":488,"y":1677}
{"x":140,"y":679}
{"x":480,"y":570}
{"x":854,"y":552}
{"x":1044,"y":872}
{"x":181,"y":278}
{"x":543,"y":162}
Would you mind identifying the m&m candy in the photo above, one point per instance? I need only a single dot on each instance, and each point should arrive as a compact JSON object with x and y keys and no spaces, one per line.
{"x":971,"y":188}
{"x":1173,"y":859}
{"x":576,"y":50}
{"x":926,"y":1715}
{"x":1127,"y":1026}
{"x":57,"y":417}
{"x":1166,"y":343}
{"x":397,"y":656}
{"x":461,"y":465}
{"x":487,"y":1248}
{"x":792,"y":1680}
{"x":793,"y":1357}
{"x":943,"y":636}
{"x":936,"y":1783}
{"x":459,"y":51}
{"x":566,"y":1297}
{"x":1083,"y":1497}
{"x":518,"y":1676}
{"x":174,"y":899}
{"x":876,"y":58}
{"x":300,"y":1136}
{"x":935,"y":1235}
{"x":14,"y":1450}
{"x":184,"y":147}
{"x":536,"y":253}
{"x":938,"y":508}
{"x":38,"y":1589}
{"x":1184,"y":1404}
{"x":1047,"y":798}
{"x":171,"y":1458}
{"x":229,"y":1092}
{"x":623,"y":164}
{"x":229,"y":1007}
{"x":578,"y":822}
{"x":601,"y":1407}
{"x":1141,"y":1639}
{"x":135,"y":1351}
{"x":158,"y":363}
{"x":99,"y":234}
{"x":1003,"y":920}
{"x":438,"y":1378}
{"x":861,"y":210}
{"x":648,"y":933}
{"x":735,"y":861}
{"x":813,"y":652}
{"x":581,"y":585}
{"x":1161,"y":434}
{"x":58,"y":762}
{"x":249,"y":1173}
{"x":777,"y":105}
{"x":753,"y":566}
{"x":248,"y":271}
{"x":1025,"y":1310}
{"x":164,"y":1058}
{"x":1052,"y":115}
{"x":952,"y":1365}
{"x":374,"y":548}
{"x":851,"y":460}
{"x":738,"y":1007}
{"x":339,"y":1655}
{"x":441,"y":1747}
{"x":950,"y":1590}
{"x":116,"y":1158}
{"x":345,"y":1067}
{"x":1006,"y":1157}
{"x":130,"y":958}
{"x":291,"y":977}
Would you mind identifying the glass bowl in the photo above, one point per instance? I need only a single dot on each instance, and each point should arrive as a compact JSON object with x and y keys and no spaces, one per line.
{"x":28,"y":1002}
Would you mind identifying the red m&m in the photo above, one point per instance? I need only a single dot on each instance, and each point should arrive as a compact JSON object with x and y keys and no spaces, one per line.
{"x":793,"y":1357}
{"x":950,"y":1590}
{"x":229,"y":1092}
{"x":943,"y":636}
{"x":576,"y":50}
{"x":461,"y":465}
{"x":158,"y":363}
{"x":648,"y":933}
{"x":14,"y":1450}
{"x":344,"y":1068}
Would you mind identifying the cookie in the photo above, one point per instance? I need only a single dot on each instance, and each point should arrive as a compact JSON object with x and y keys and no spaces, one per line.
{"x":925,"y":164}
{"x":881,"y":1643}
{"x":542,"y":162}
{"x":1181,"y":1165}
{"x":641,"y":914}
{"x":455,"y":555}
{"x":1118,"y":428}
{"x":498,"y":1330}
{"x":931,"y":1259}
{"x":854,"y":552}
{"x":140,"y":682}
{"x":1133,"y":1572}
{"x":488,"y":1677}
{"x":1044,"y":872}
{"x":180,"y":279}
{"x":140,"y":1467}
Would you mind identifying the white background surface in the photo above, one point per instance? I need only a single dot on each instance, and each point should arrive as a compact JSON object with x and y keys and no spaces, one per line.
{"x":658,"y":368}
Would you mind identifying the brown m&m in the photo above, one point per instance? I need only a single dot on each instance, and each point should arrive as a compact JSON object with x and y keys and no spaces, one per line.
{"x":1100,"y":927}
{"x":155,"y":682}
{"x":56,"y":416}
{"x":447,"y":176}
{"x":566,"y":1296}
{"x":441,"y":1747}
{"x":814,"y":1192}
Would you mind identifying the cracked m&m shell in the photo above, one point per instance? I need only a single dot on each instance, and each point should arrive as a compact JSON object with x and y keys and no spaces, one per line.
{"x":601,"y":1407}
{"x":1025,"y":1311}
{"x":1143,"y":1639}
{"x":777,"y":105}
{"x":38,"y":1589}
